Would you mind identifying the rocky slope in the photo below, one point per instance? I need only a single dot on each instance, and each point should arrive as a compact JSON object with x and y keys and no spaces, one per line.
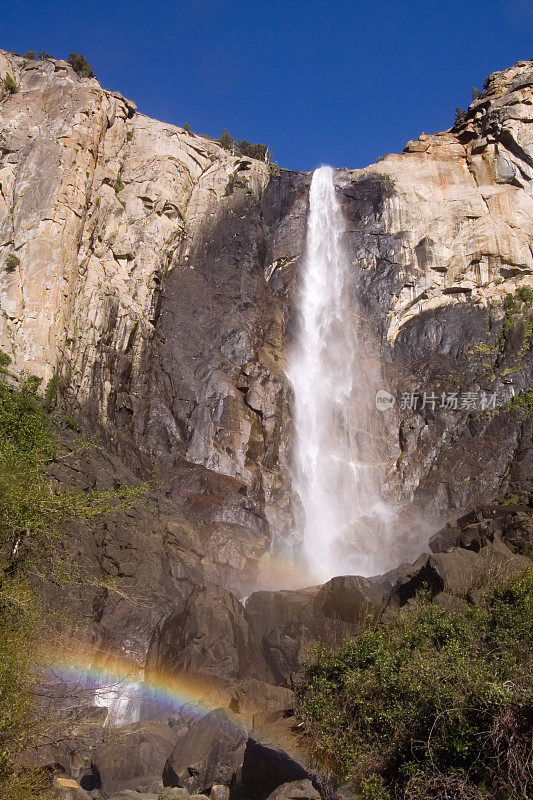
{"x":165,"y":303}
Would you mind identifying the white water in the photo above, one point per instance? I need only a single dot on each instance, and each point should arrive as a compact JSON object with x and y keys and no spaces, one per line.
{"x":345,"y":525}
{"x":122,"y":700}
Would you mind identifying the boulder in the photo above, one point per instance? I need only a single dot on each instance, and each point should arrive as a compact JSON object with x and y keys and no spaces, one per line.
{"x":133,"y":756}
{"x":68,"y":789}
{"x":210,"y":753}
{"x":295,"y":790}
{"x":258,"y":702}
{"x":274,"y":757}
{"x":219,"y":792}
{"x":209,"y":634}
{"x":350,"y":598}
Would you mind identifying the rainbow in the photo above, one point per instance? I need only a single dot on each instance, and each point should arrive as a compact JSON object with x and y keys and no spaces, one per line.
{"x":87,"y":673}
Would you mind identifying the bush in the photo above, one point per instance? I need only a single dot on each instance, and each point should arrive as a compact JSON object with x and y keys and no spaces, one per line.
{"x":459,"y":116}
{"x":234,"y":183}
{"x":129,"y":136}
{"x":257,"y":150}
{"x":31,"y":515}
{"x":80,"y":65}
{"x":227,"y":141}
{"x":10,"y":85}
{"x":11,"y":263}
{"x":475,"y":93}
{"x":187,"y":127}
{"x":5,"y":361}
{"x":50,"y":393}
{"x":30,"y":55}
{"x":427,"y":698}
{"x":43,"y":55}
{"x":118,"y":186}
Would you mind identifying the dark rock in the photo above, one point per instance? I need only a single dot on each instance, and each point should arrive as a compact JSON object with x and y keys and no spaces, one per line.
{"x":350,"y":599}
{"x":210,"y":753}
{"x":273,"y":757}
{"x":258,"y":702}
{"x":208,"y":634}
{"x":133,"y":755}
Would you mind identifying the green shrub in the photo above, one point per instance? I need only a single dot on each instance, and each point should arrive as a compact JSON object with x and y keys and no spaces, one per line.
{"x":43,"y":55}
{"x":459,"y":116}
{"x":129,"y":136}
{"x":69,"y":422}
{"x":429,"y":695}
{"x":187,"y":127}
{"x":80,"y":65}
{"x":475,"y":93}
{"x":5,"y":361}
{"x":227,"y":141}
{"x":50,"y":392}
{"x":234,"y":183}
{"x":30,"y":55}
{"x":11,"y":262}
{"x":10,"y":84}
{"x":118,"y":186}
{"x":31,"y":515}
{"x":257,"y":150}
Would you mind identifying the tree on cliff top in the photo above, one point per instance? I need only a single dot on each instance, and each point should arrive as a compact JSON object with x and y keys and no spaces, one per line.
{"x":80,"y":65}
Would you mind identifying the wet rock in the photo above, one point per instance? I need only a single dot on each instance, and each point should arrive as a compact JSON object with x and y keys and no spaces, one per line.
{"x":210,"y":753}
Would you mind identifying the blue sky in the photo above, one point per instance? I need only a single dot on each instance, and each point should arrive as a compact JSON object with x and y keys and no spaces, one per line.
{"x":320,"y":82}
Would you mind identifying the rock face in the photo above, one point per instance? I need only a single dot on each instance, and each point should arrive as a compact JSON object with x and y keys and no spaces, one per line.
{"x":209,"y":634}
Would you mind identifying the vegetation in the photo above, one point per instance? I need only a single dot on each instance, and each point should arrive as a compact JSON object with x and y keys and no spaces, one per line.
{"x":11,"y":263}
{"x":5,"y":361}
{"x":475,"y":93}
{"x":119,"y":184}
{"x":236,"y":182}
{"x":187,"y":127}
{"x":80,"y":65}
{"x":10,"y":85}
{"x":429,"y":703}
{"x":459,"y":116}
{"x":31,"y":517}
{"x":250,"y":150}
{"x":43,"y":55}
{"x":244,"y":147}
{"x":129,"y":136}
{"x":29,"y":55}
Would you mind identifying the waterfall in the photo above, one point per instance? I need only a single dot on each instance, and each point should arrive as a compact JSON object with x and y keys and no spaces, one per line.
{"x":345,"y":523}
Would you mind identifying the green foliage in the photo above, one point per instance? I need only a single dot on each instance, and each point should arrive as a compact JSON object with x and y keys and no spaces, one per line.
{"x":80,"y":65}
{"x":524,"y":400}
{"x":250,"y":150}
{"x":10,"y":84}
{"x":519,"y":308}
{"x":5,"y":361}
{"x":459,"y":116}
{"x":428,"y":696}
{"x":273,"y":167}
{"x":50,"y":392}
{"x":244,"y":147}
{"x":187,"y":127}
{"x":69,"y":422}
{"x":30,"y":55}
{"x":475,"y":93}
{"x":129,"y":136}
{"x":119,"y":184}
{"x":43,"y":55}
{"x":234,"y":183}
{"x":32,"y":513}
{"x":11,"y":263}
{"x":227,"y":141}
